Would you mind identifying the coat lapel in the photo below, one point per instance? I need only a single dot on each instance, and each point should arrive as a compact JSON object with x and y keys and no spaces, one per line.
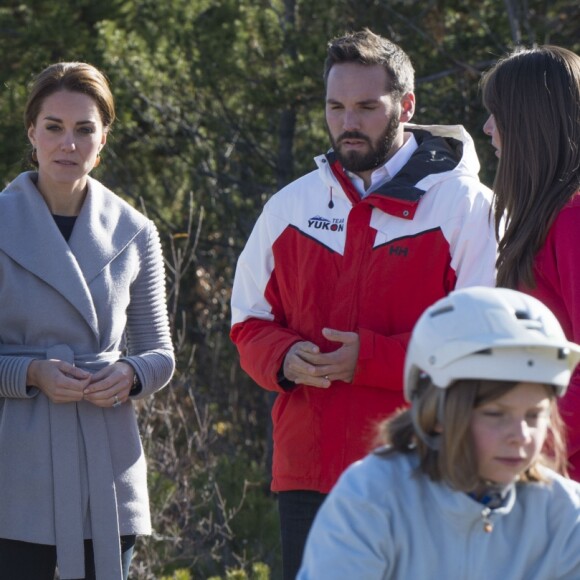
{"x":104,"y":228}
{"x":31,"y":238}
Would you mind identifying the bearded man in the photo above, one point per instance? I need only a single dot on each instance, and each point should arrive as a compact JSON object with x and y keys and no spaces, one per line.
{"x":343,"y":261}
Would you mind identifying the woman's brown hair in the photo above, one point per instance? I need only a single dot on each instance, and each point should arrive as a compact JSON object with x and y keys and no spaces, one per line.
{"x":455,"y":461}
{"x":534,"y":96}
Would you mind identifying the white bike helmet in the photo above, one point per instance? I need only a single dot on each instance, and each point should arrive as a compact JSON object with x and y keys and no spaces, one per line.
{"x":489,"y":333}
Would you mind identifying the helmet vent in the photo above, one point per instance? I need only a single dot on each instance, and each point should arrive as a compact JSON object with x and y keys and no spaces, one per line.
{"x":442,"y":310}
{"x":484,"y":351}
{"x":563,"y":353}
{"x":532,"y":323}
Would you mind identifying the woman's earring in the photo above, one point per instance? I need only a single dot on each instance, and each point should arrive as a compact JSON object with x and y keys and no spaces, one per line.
{"x":33,"y":155}
{"x":97,"y":161}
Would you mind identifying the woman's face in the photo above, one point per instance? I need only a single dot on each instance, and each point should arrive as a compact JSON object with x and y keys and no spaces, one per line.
{"x":490,"y":128}
{"x":509,"y":432}
{"x":68,"y":135}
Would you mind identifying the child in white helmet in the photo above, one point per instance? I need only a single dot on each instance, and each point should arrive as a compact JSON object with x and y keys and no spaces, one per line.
{"x":467,"y":487}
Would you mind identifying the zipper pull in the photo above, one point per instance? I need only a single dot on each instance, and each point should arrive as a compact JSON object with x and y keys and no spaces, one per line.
{"x":487,"y":523}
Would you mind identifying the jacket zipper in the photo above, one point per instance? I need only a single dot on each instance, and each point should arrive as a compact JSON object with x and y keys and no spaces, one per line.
{"x":487,"y":523}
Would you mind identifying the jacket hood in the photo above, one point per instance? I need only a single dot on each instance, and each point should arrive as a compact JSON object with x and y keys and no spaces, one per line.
{"x":443,"y":152}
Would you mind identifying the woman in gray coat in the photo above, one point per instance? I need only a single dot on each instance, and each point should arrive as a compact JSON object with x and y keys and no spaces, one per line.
{"x":83,"y":332}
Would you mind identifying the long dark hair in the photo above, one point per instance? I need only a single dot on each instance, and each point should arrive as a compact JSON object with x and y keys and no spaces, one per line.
{"x":534,"y":96}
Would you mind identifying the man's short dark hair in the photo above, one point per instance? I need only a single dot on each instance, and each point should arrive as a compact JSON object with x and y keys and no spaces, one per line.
{"x":367,"y":48}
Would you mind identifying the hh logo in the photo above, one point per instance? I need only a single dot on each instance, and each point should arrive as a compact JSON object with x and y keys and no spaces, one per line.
{"x":320,"y":223}
{"x":398,"y":251}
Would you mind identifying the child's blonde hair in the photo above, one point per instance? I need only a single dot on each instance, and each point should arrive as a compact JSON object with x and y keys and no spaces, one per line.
{"x":454,"y":461}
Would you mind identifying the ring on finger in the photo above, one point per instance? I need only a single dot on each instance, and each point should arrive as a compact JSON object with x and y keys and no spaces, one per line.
{"x":326,"y":377}
{"x":117,"y":402}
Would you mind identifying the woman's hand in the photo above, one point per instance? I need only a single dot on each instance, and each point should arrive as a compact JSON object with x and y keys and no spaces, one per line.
{"x":110,"y":386}
{"x":60,"y":381}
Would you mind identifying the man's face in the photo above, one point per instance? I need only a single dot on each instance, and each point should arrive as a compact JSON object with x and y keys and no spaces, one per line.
{"x":364,"y":121}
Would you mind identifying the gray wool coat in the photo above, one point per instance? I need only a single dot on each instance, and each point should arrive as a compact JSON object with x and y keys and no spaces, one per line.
{"x":72,"y":471}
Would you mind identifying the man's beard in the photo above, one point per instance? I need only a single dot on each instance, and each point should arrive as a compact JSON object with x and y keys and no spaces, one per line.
{"x":378,"y":152}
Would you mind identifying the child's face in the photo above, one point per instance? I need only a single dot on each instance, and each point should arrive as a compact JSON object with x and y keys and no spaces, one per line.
{"x":509,"y":432}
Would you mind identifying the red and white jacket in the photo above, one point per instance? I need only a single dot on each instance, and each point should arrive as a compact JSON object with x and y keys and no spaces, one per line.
{"x":319,"y":256}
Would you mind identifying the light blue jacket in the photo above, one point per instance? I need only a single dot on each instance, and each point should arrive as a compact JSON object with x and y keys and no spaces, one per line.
{"x":383,"y":520}
{"x":72,"y":471}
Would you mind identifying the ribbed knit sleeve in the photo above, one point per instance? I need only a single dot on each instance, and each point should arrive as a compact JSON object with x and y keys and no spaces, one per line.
{"x":13,"y":371}
{"x":149,"y":346}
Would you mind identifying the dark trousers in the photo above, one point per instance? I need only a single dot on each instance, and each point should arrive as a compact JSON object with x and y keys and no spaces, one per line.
{"x":297,"y":510}
{"x":28,"y":561}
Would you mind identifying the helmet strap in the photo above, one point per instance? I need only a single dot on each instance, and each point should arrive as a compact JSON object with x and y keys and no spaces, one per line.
{"x":432,"y":441}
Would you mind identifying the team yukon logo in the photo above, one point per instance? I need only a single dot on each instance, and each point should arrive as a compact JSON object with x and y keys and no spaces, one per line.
{"x":320,"y":223}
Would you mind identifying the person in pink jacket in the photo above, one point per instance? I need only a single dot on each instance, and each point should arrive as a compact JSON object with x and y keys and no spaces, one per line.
{"x":533,"y":97}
